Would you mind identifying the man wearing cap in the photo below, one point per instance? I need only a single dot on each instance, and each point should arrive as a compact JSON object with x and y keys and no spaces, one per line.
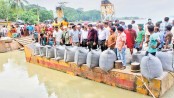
{"x":130,"y":38}
{"x":140,"y":38}
{"x":92,"y":38}
{"x":57,"y":36}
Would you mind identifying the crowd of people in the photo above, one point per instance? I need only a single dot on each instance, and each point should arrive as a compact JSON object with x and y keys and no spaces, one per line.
{"x":109,"y":34}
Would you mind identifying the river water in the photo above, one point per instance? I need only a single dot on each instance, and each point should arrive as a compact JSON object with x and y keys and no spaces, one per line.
{"x":19,"y":79}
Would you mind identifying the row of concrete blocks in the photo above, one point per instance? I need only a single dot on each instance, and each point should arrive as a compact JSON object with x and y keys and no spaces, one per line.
{"x":117,"y":78}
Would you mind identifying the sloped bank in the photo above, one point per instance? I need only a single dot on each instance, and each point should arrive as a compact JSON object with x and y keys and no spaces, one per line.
{"x":118,"y":78}
{"x":8,"y":45}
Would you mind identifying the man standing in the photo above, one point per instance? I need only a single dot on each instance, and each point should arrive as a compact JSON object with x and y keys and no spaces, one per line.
{"x":153,"y":41}
{"x":107,"y":29}
{"x":134,"y":26}
{"x":74,"y":36}
{"x":84,"y":36}
{"x":92,"y":38}
{"x":164,"y":24}
{"x":102,"y":36}
{"x":149,"y":23}
{"x":4,"y":31}
{"x":130,"y":38}
{"x":30,"y":28}
{"x":66,"y":37}
{"x":140,"y":38}
{"x":18,"y":31}
{"x":121,"y":46}
{"x":168,"y":37}
{"x":112,"y":39}
{"x":163,"y":31}
{"x":57,"y":36}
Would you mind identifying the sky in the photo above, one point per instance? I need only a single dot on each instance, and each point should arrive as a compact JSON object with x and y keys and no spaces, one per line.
{"x":156,"y":9}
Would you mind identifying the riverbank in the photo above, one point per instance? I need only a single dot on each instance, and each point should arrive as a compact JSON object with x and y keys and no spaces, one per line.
{"x":8,"y":44}
{"x":55,"y":82}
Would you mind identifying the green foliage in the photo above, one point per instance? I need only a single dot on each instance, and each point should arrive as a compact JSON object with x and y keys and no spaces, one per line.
{"x":78,"y":14}
{"x":31,"y":13}
{"x":28,"y":13}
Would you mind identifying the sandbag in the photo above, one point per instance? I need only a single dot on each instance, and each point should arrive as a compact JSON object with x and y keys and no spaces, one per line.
{"x":42,"y":50}
{"x":151,"y":67}
{"x":80,"y":56}
{"x":167,"y":60}
{"x":59,"y":52}
{"x":49,"y":52}
{"x":137,"y":57}
{"x":31,"y":47}
{"x":69,"y":54}
{"x":93,"y":58}
{"x":107,"y":59}
{"x":36,"y":48}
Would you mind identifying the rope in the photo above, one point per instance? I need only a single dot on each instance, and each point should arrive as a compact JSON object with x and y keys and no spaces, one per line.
{"x":145,"y":85}
{"x":171,"y":74}
{"x":148,"y":78}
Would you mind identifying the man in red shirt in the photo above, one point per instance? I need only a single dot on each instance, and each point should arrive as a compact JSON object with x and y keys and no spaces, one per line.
{"x":92,"y":38}
{"x":130,"y":38}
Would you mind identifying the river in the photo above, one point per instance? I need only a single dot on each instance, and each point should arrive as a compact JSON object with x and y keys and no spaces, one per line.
{"x":19,"y":79}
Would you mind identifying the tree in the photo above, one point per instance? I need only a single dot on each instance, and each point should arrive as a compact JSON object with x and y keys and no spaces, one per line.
{"x":4,"y":10}
{"x":78,"y":14}
{"x":18,"y":6}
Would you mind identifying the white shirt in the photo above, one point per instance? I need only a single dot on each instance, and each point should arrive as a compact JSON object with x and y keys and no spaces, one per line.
{"x":163,"y":26}
{"x":135,"y":27}
{"x":173,"y":30}
{"x":84,"y":35}
{"x":173,"y":33}
{"x":75,"y":35}
{"x":4,"y":30}
{"x":18,"y":30}
{"x":102,"y":34}
{"x":57,"y":35}
{"x":107,"y":30}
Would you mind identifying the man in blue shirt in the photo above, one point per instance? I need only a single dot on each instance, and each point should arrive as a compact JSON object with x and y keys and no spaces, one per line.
{"x":30,"y":28}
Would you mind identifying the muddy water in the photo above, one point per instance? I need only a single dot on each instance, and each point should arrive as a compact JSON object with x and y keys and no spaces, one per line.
{"x":19,"y":79}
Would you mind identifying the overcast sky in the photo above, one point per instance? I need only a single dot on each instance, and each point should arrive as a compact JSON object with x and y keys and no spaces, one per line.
{"x":142,"y":8}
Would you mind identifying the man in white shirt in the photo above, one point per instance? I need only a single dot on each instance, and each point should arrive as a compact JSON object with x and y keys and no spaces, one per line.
{"x":57,"y":36}
{"x":18,"y":30}
{"x":164,"y":24}
{"x":4,"y":31}
{"x":84,"y":36}
{"x":102,"y":36}
{"x":74,"y":36}
{"x":134,"y":26}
